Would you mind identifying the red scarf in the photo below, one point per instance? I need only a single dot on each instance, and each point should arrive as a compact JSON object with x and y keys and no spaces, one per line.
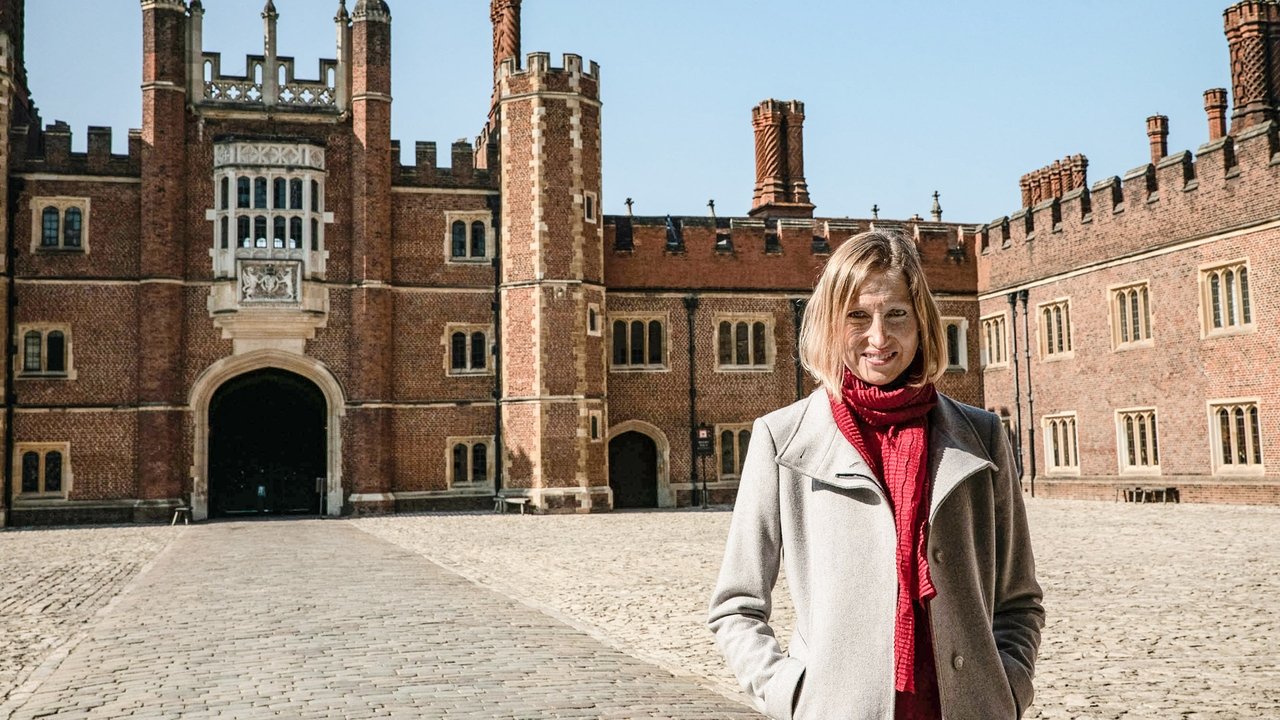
{"x":887,"y":426}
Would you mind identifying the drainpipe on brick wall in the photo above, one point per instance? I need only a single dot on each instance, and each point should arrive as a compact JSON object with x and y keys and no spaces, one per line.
{"x":1017,"y":391}
{"x":1031,"y":403}
{"x":496,"y":307}
{"x":6,"y":493}
{"x":797,"y":314}
{"x":690,"y":306}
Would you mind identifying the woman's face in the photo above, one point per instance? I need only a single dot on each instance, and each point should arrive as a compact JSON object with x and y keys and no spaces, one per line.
{"x":881,"y":331}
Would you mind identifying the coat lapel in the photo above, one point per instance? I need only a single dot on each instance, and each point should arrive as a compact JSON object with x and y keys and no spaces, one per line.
{"x":955,"y":451}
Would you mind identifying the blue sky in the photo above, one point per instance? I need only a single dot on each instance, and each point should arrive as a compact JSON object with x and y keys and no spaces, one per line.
{"x":902,"y":98}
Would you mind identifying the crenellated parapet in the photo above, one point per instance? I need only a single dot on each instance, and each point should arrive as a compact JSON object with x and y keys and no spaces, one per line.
{"x":250,"y":89}
{"x":53,"y":153}
{"x":461,"y":172}
{"x":539,"y":75}
{"x":778,"y":254}
{"x":1230,"y":182}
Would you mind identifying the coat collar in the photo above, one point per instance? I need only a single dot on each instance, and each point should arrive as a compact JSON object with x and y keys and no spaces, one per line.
{"x":816,"y":449}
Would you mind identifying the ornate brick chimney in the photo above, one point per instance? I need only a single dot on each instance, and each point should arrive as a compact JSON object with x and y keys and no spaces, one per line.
{"x":781,"y":190}
{"x":1158,"y":136}
{"x":1253,"y":37}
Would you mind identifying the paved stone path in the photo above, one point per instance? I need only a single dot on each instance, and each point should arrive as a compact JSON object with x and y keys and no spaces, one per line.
{"x":313,"y":618}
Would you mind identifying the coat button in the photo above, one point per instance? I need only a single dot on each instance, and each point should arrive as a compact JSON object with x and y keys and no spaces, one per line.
{"x":957,"y":662}
{"x":937,"y":556}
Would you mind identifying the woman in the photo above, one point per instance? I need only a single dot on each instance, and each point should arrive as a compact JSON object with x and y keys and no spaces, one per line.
{"x":897,"y":512}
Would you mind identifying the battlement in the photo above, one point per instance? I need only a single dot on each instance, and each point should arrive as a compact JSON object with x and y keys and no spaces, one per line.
{"x":249,"y":90}
{"x":1230,"y":182}
{"x":1251,"y":11}
{"x":775,"y":254}
{"x":539,"y":74}
{"x":461,"y":171}
{"x":52,"y":152}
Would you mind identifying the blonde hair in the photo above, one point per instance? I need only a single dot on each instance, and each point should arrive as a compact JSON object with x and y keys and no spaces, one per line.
{"x":822,"y":331}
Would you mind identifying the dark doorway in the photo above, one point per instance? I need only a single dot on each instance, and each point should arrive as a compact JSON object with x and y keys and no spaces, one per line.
{"x":633,"y":471}
{"x":266,"y":445}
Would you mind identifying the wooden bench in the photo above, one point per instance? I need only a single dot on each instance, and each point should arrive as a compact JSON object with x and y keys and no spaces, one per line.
{"x":1139,"y":494}
{"x":182,"y":511}
{"x":500,"y":503}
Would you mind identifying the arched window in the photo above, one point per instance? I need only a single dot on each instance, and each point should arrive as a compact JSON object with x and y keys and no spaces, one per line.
{"x":1229,"y":292}
{"x":242,"y":192}
{"x":260,"y":231}
{"x":278,"y":232}
{"x":260,"y":193}
{"x":460,"y":463}
{"x":71,"y":228}
{"x":479,"y":462}
{"x":315,"y":235}
{"x":31,"y":352}
{"x":225,"y":193}
{"x":243,"y":237}
{"x":53,"y":471}
{"x":1244,"y":296}
{"x":619,"y":342}
{"x":726,"y":452}
{"x":56,"y":352}
{"x":1215,"y":295}
{"x":459,"y":239}
{"x":725,"y":340}
{"x":637,"y":342}
{"x":295,"y":194}
{"x":477,"y":239}
{"x":224,"y":230}
{"x":279,"y":189}
{"x":30,"y":472}
{"x":478,"y":351}
{"x":757,"y":343}
{"x":49,"y":227}
{"x":295,"y":233}
{"x":458,"y":351}
{"x":744,"y":439}
{"x":315,"y":196}
{"x":655,"y":342}
{"x":740,"y":344}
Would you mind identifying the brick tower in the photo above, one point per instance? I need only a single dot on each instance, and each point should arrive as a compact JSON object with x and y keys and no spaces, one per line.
{"x":552,"y":291}
{"x":162,"y":248}
{"x":1253,"y":38}
{"x":369,"y":459}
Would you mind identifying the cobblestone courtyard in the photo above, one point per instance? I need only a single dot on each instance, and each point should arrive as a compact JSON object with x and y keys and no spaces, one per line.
{"x":1154,"y":611}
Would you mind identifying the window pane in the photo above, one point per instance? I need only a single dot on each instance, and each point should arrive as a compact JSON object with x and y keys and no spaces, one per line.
{"x":56,"y":352}
{"x":595,"y":427}
{"x":655,"y":342}
{"x":592,"y":320}
{"x":30,"y":472}
{"x":243,"y":236}
{"x":458,"y":244}
{"x":1143,"y":457}
{"x":1245,"y":314}
{"x":458,"y":351}
{"x":619,"y":343}
{"x":224,"y":188}
{"x":460,"y":463}
{"x":1242,"y":455}
{"x":315,"y":235}
{"x":1256,"y":433}
{"x":31,"y":352}
{"x":479,"y":462}
{"x":757,"y":344}
{"x":295,"y":194}
{"x":242,"y":192}
{"x":49,"y":227}
{"x":637,"y":342}
{"x":71,"y":228}
{"x":1123,"y":317}
{"x":260,"y":231}
{"x":1146,"y":317}
{"x":224,"y":231}
{"x":1229,"y":293}
{"x":744,"y":440}
{"x":1155,"y":442}
{"x":740,"y":344}
{"x":726,"y":453}
{"x":278,"y":190}
{"x":315,"y":196}
{"x":53,"y":472}
{"x":278,"y":231}
{"x":725,"y":337}
{"x":477,"y":239}
{"x":953,"y":344}
{"x":260,"y":193}
{"x":1224,"y":433}
{"x":1215,"y":298}
{"x":295,"y":233}
{"x":1130,"y":440}
{"x":1057,"y":319}
{"x":1056,"y":440}
{"x":478,"y":350}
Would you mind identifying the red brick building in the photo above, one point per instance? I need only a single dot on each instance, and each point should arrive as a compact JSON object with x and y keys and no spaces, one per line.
{"x":259,"y":309}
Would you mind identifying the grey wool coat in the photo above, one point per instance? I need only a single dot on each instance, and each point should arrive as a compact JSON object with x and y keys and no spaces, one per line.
{"x":806,"y":499}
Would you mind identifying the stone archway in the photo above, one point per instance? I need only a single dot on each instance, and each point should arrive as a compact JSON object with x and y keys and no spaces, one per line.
{"x":661,"y":450}
{"x":217,"y":374}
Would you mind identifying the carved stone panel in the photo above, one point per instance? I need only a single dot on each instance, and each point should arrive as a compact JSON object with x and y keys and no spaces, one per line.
{"x":271,"y":282}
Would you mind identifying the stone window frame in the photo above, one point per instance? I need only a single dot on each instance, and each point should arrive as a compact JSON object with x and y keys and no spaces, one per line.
{"x":44,"y":328}
{"x":1241,"y":302}
{"x":962,"y":330}
{"x":1054,"y":326}
{"x":467,"y":217}
{"x":750,"y":318}
{"x":470,"y":441}
{"x":469,"y":330}
{"x":593,"y":312}
{"x":739,"y":453}
{"x":43,"y":449}
{"x":595,"y":425}
{"x":1121,"y":317}
{"x":1133,"y":419}
{"x":647,"y":318}
{"x":1251,"y":444}
{"x":61,"y":203}
{"x":995,"y":336}
{"x":590,"y":207}
{"x":1061,"y":441}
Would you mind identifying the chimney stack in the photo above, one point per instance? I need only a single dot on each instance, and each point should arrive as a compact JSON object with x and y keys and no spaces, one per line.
{"x":1158,"y":135}
{"x":780,"y":190}
{"x":1252,"y":28}
{"x":1215,"y":107}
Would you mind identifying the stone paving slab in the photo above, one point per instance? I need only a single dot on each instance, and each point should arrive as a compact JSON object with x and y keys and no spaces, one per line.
{"x":1154,"y":611}
{"x":313,"y":618}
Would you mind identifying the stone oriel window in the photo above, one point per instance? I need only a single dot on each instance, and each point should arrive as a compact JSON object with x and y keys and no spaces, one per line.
{"x":1236,"y":436}
{"x":467,"y":349}
{"x":1138,"y":441}
{"x":744,"y":342}
{"x":1061,"y":452}
{"x":957,"y":332}
{"x":44,"y":350}
{"x":1130,"y":316}
{"x":731,"y":449}
{"x":995,"y":340}
{"x":470,"y":461}
{"x":1225,"y":298}
{"x":59,"y":224}
{"x":638,"y":343}
{"x":467,"y":236}
{"x":42,"y":470}
{"x":1055,"y":329}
